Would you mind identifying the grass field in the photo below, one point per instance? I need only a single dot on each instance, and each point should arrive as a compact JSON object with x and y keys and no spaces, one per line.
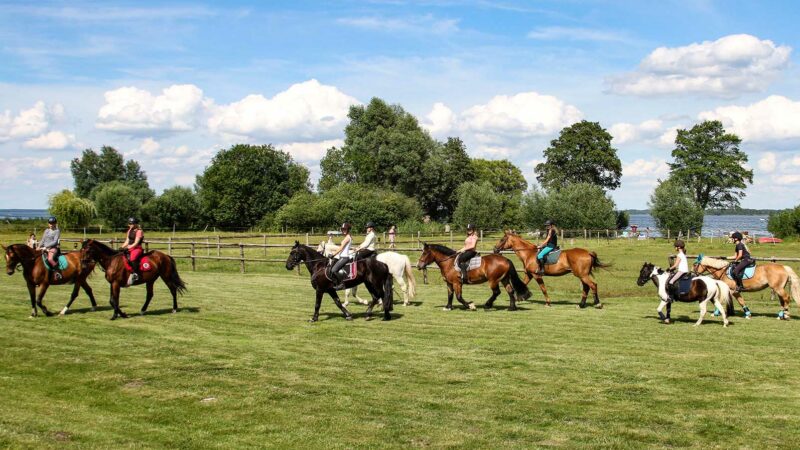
{"x":239,"y":366}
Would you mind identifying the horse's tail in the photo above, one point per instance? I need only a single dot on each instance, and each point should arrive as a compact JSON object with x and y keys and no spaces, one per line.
{"x":388,"y":293}
{"x":412,"y":283}
{"x":596,"y":262}
{"x":795,"y":280}
{"x":520,"y":289}
{"x":175,"y":279}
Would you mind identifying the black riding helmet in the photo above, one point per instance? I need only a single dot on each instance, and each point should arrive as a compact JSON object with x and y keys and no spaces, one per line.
{"x":133,"y":221}
{"x":52,"y":219}
{"x":346,"y":227}
{"x":470,"y":227}
{"x":736,"y":235}
{"x":679,"y":244}
{"x":370,"y":224}
{"x":548,"y":222}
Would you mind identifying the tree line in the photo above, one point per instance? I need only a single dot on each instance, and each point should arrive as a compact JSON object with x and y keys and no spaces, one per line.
{"x":391,"y":171}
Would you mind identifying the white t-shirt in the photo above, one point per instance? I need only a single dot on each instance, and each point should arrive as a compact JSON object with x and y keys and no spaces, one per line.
{"x":369,"y":241}
{"x":683,"y":264}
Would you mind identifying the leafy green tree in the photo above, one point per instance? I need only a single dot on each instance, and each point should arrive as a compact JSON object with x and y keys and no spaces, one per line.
{"x":334,"y":170}
{"x":785,"y":223}
{"x":708,"y":160}
{"x":177,"y":206}
{"x":502,"y":174}
{"x":245,"y":182}
{"x":448,"y":167}
{"x":534,"y":206}
{"x":581,"y":205}
{"x":71,"y":210}
{"x":301,"y":213}
{"x":673,"y":207}
{"x":478,"y":204}
{"x":623,"y":219}
{"x":93,"y":169}
{"x":116,"y":202}
{"x":360,"y":204}
{"x":582,"y":153}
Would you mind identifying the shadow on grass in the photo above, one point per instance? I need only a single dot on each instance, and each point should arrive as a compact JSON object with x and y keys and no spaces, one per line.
{"x":376,"y":316}
{"x":692,"y":320}
{"x":89,"y":310}
{"x":184,"y":309}
{"x":503,"y":308}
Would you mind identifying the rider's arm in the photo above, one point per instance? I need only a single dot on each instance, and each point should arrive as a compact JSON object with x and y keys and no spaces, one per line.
{"x":344,"y":243}
{"x":126,"y":243}
{"x":138,"y":239}
{"x":738,"y":255}
{"x":546,"y":238}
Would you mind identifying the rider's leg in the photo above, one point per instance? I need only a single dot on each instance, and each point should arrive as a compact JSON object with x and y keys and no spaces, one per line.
{"x":335,"y":271}
{"x":463,"y":263}
{"x":541,"y":257}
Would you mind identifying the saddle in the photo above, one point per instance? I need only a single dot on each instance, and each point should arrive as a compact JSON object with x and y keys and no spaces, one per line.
{"x":682,"y":286}
{"x":474,"y":263}
{"x":62,"y":262}
{"x":748,"y":272}
{"x":348,"y":272}
{"x":552,"y":257}
{"x":144,"y":262}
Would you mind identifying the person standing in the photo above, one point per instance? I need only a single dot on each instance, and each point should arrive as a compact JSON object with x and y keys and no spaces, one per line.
{"x":51,"y":240}
{"x":392,"y":233}
{"x":32,"y":240}
{"x":133,"y":243}
{"x":467,"y":252}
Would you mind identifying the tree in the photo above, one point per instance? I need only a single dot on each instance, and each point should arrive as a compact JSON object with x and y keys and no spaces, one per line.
{"x":359,"y":204}
{"x":116,"y":202}
{"x":673,"y":207}
{"x":623,"y":219}
{"x":708,"y":160}
{"x":92,"y":169}
{"x":71,"y":210}
{"x":478,"y":204}
{"x":582,"y":153}
{"x":581,"y":205}
{"x":244,"y":183}
{"x":177,"y":206}
{"x":448,"y":167}
{"x":503,"y":175}
{"x":785,"y":223}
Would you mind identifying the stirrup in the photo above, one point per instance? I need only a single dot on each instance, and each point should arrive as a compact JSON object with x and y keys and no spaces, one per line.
{"x":133,"y":278}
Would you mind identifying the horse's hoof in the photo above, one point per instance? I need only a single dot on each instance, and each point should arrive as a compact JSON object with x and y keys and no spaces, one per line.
{"x":368,"y":318}
{"x":667,"y":322}
{"x":513,"y":308}
{"x":113,"y":317}
{"x":141,"y":313}
{"x":472,"y":307}
{"x":406,"y":303}
{"x":63,"y":312}
{"x":447,"y":309}
{"x":487,"y":307}
{"x":175,"y":310}
{"x":385,"y":318}
{"x":348,"y":317}
{"x":599,"y":306}
{"x":94,"y":308}
{"x":313,"y":319}
{"x":547,"y":305}
{"x":123,"y":315}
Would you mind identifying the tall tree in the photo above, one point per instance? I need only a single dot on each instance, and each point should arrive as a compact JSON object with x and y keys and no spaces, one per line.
{"x":71,"y":210}
{"x":502,"y":174}
{"x":245,"y":182}
{"x":447,"y":168}
{"x":708,"y":160}
{"x":673,"y":207}
{"x":480,"y":205}
{"x":93,"y":169}
{"x":582,"y":153}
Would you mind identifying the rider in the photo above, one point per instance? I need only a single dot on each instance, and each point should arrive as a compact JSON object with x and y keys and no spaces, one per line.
{"x":344,"y":255}
{"x":467,"y":252}
{"x":133,"y":242}
{"x":367,"y":248}
{"x":742,"y":259}
{"x":51,"y":239}
{"x":681,"y":266}
{"x":548,"y":245}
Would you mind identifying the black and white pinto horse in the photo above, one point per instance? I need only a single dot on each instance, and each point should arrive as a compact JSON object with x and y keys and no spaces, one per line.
{"x":703,"y":290}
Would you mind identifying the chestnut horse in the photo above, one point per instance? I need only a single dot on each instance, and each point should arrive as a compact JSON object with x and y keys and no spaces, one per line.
{"x":770,"y":275}
{"x":36,"y":274}
{"x":495,"y":269}
{"x":117,"y":274}
{"x":576,"y":260}
{"x":374,"y":274}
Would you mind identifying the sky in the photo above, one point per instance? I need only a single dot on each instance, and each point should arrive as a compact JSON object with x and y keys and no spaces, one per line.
{"x":171,"y":83}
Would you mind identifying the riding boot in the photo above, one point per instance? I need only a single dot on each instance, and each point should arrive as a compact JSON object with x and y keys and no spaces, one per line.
{"x":540,"y":270}
{"x":57,"y":275}
{"x":134,"y":276}
{"x":464,"y":275}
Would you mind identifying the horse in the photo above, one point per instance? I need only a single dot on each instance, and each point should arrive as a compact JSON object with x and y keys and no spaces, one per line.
{"x":36,"y":274}
{"x":495,"y":269}
{"x":770,"y":275}
{"x":113,"y":263}
{"x":576,"y":260}
{"x":703,"y":290}
{"x":373,"y":273}
{"x":399,"y":265}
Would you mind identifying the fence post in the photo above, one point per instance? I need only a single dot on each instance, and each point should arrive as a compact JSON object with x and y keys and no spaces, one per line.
{"x":481,"y":243}
{"x":169,"y":246}
{"x":146,"y":246}
{"x":451,"y":237}
{"x":218,"y":252}
{"x":306,"y":239}
{"x":667,"y":233}
{"x":241,"y":254}
{"x":419,"y":246}
{"x":208,"y":248}
{"x":585,"y":234}
{"x":193,"y":263}
{"x":265,"y":247}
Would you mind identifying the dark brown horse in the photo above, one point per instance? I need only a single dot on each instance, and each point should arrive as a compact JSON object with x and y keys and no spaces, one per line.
{"x":495,"y":269}
{"x":117,"y":274}
{"x":36,"y":274}
{"x":577,"y":261}
{"x":372,"y":273}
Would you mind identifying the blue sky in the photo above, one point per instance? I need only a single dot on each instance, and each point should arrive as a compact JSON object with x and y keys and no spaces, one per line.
{"x":169,"y":84}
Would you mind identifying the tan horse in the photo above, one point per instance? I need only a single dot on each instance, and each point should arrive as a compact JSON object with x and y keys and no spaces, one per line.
{"x":36,"y":274}
{"x":770,"y":275}
{"x":578,"y":261}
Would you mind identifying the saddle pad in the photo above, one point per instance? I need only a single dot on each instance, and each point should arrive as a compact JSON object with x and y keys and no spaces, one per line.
{"x":748,"y":272}
{"x":474,"y":263}
{"x":144,"y":264}
{"x":352,"y":271}
{"x":684,"y":285}
{"x":552,"y":257}
{"x":62,"y":262}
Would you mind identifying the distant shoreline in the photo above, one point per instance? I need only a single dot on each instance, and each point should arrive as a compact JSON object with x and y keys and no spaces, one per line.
{"x":722,"y":212}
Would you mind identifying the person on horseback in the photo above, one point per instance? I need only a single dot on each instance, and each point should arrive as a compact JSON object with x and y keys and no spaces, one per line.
{"x":680,"y":266}
{"x":51,"y":239}
{"x":741,"y":259}
{"x":467,"y":252}
{"x":133,"y":244}
{"x":548,"y":245}
{"x":367,"y":248}
{"x":344,"y":256}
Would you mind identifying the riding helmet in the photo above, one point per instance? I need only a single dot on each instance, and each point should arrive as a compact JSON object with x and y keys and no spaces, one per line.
{"x":470,"y":227}
{"x":52,"y":219}
{"x":679,"y":244}
{"x":736,"y":235}
{"x":370,"y":224}
{"x":133,"y":221}
{"x":346,"y":227}
{"x":548,"y":222}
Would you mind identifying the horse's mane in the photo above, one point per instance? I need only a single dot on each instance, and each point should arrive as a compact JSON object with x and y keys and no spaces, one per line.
{"x":442,"y":249}
{"x":713,"y":262}
{"x":313,"y":252}
{"x":103,"y":248}
{"x":24,"y":250}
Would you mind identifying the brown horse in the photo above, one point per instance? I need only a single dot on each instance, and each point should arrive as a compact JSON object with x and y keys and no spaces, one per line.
{"x":495,"y":269}
{"x":36,"y":274}
{"x":117,"y":274}
{"x":770,"y":275}
{"x":576,"y":260}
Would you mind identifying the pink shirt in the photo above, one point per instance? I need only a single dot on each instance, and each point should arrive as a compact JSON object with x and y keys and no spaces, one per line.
{"x":471,"y":242}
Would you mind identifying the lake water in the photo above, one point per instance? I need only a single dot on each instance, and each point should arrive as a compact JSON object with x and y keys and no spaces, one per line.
{"x":23,"y":213}
{"x":713,"y":225}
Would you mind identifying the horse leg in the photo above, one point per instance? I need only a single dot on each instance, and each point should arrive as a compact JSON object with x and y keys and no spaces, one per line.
{"x":373,"y":292}
{"x":88,"y":289}
{"x":722,"y":311}
{"x":450,"y":291}
{"x":540,"y":282}
{"x":149,"y":296}
{"x":703,"y":309}
{"x":317,"y":304}
{"x":741,"y":302}
{"x":584,"y":295}
{"x":403,"y":288}
{"x":42,"y":290}
{"x":335,"y":296}
{"x":593,"y":286}
{"x":784,"y":298}
{"x":32,"y":293}
{"x":115,"y":289}
{"x":460,"y":297}
{"x":495,"y":292}
{"x":72,"y":297}
{"x":659,"y":310}
{"x":347,"y":293}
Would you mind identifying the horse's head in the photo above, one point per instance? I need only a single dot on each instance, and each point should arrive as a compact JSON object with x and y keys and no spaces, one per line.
{"x":88,"y":253}
{"x":698,"y":266}
{"x":646,"y":273}
{"x":505,"y":242}
{"x":296,"y":256}
{"x":12,"y":259}
{"x":426,"y":257}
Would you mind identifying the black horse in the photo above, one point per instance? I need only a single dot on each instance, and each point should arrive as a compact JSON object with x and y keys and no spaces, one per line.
{"x":374,"y":274}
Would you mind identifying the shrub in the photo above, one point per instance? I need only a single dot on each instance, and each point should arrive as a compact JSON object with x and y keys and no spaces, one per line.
{"x":71,"y":210}
{"x":673,"y":207}
{"x":574,"y":206}
{"x":785,"y":223}
{"x":115,"y":203}
{"x":177,"y":206}
{"x":478,"y":204}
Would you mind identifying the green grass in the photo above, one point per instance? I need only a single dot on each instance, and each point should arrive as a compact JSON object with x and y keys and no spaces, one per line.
{"x":239,"y":366}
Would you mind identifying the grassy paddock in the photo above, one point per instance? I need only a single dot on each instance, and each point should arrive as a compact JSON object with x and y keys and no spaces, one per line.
{"x":240,"y":366}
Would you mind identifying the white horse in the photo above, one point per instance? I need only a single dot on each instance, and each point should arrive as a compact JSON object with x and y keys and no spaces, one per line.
{"x":399,"y":266}
{"x":715,"y":291}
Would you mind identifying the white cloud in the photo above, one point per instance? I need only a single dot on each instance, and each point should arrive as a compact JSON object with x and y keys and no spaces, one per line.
{"x":29,"y":122}
{"x":427,"y":24}
{"x":775,"y":117}
{"x":648,"y":169}
{"x":307,"y":111}
{"x":726,"y":67}
{"x":787,"y":179}
{"x":133,"y":111}
{"x":440,"y":121}
{"x":54,"y":140}
{"x":768,"y":162}
{"x":627,"y":132}
{"x":149,"y":146}
{"x":576,"y":34}
{"x":310,"y":151}
{"x":796,"y":161}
